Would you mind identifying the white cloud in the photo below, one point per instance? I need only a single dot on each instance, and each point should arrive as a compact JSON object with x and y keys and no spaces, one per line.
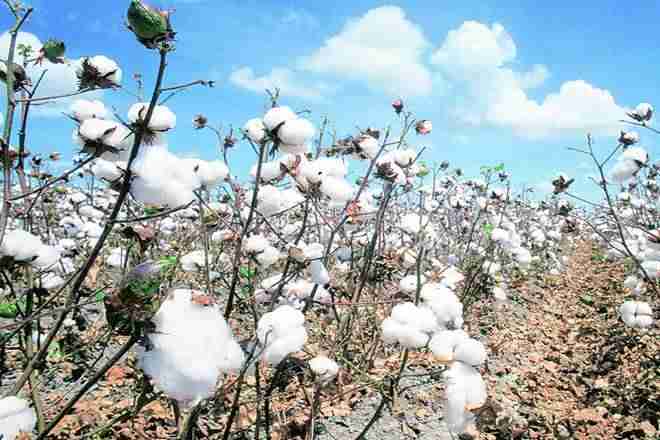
{"x":284,"y":79}
{"x":60,"y":79}
{"x":382,"y":48}
{"x":476,"y":59}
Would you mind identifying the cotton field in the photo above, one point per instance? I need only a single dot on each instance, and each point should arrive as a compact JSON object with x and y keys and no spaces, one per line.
{"x":341,"y":275}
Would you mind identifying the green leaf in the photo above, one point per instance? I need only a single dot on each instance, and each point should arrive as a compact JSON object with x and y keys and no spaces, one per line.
{"x":8,"y":310}
{"x":246,"y":272}
{"x":499,"y":167}
{"x":100,"y":296}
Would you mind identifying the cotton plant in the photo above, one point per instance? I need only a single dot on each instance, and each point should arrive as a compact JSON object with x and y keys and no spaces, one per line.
{"x":324,"y":368}
{"x":190,"y":348}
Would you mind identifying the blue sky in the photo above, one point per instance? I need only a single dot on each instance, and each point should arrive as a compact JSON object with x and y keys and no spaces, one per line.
{"x":502,"y":81}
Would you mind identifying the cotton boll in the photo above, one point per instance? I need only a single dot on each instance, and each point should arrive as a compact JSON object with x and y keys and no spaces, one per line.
{"x":212,"y":173}
{"x":409,"y":284}
{"x":631,"y":282}
{"x":269,"y":171}
{"x":162,"y":118}
{"x":269,"y":200}
{"x":409,"y":325}
{"x":51,"y":281}
{"x":82,"y":109}
{"x":269,"y":256}
{"x":16,"y":416}
{"x":255,"y":243}
{"x":193,"y":261}
{"x":282,"y":333}
{"x":95,"y":130}
{"x":278,"y":115}
{"x":324,"y":368}
{"x":499,"y":294}
{"x":293,"y":149}
{"x":404,"y":157}
{"x":636,"y":314}
{"x":624,"y":170}
{"x":466,"y":391}
{"x":448,"y":310}
{"x":104,"y":169}
{"x":20,"y":245}
{"x":255,"y":130}
{"x":337,"y":189}
{"x":319,"y":273}
{"x":368,"y":147}
{"x":296,"y":132}
{"x":90,"y":212}
{"x":471,"y":352}
{"x":191,"y":346}
{"x":107,"y":69}
{"x":47,"y":257}
{"x":444,"y":342}
{"x":636,"y":154}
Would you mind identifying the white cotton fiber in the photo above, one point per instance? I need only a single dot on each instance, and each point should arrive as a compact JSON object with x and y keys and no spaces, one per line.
{"x":277,"y":115}
{"x":466,"y":391}
{"x":191,"y":347}
{"x":82,"y":109}
{"x":282,"y":332}
{"x":162,"y":118}
{"x":409,"y":325}
{"x":15,"y":416}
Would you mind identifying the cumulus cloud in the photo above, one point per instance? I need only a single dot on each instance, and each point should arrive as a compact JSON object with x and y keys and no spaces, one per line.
{"x":59,"y":79}
{"x":382,"y":48}
{"x":286,"y":80}
{"x":477,"y":59}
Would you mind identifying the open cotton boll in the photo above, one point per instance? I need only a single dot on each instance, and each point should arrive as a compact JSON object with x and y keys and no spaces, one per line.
{"x":296,"y":132}
{"x":47,"y":257}
{"x":162,"y":118}
{"x":368,"y":147}
{"x":269,"y":200}
{"x":193,"y":261}
{"x":255,"y":243}
{"x":413,"y":223}
{"x":499,"y":235}
{"x":191,"y":346}
{"x":444,"y":343}
{"x":82,"y":109}
{"x":52,"y":281}
{"x":255,"y":130}
{"x":278,"y":115}
{"x":270,"y":171}
{"x":337,"y":189}
{"x":499,"y":294}
{"x":624,"y":170}
{"x":324,"y":368}
{"x":16,"y":416}
{"x":20,"y":245}
{"x":471,"y":352}
{"x":319,"y":273}
{"x":104,"y":169}
{"x":636,"y":154}
{"x":451,"y":277}
{"x":293,"y":149}
{"x":652,"y":268}
{"x":90,"y":212}
{"x":636,"y":314}
{"x":95,"y":130}
{"x":282,"y":332}
{"x":448,"y":310}
{"x":268,"y":256}
{"x":404,"y":157}
{"x":466,"y":391}
{"x":209,"y":174}
{"x":409,"y":284}
{"x":106,"y":68}
{"x":409,"y":325}
{"x":630,"y":282}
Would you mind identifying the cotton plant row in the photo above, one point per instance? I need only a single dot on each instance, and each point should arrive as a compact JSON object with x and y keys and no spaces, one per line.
{"x":624,"y":223}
